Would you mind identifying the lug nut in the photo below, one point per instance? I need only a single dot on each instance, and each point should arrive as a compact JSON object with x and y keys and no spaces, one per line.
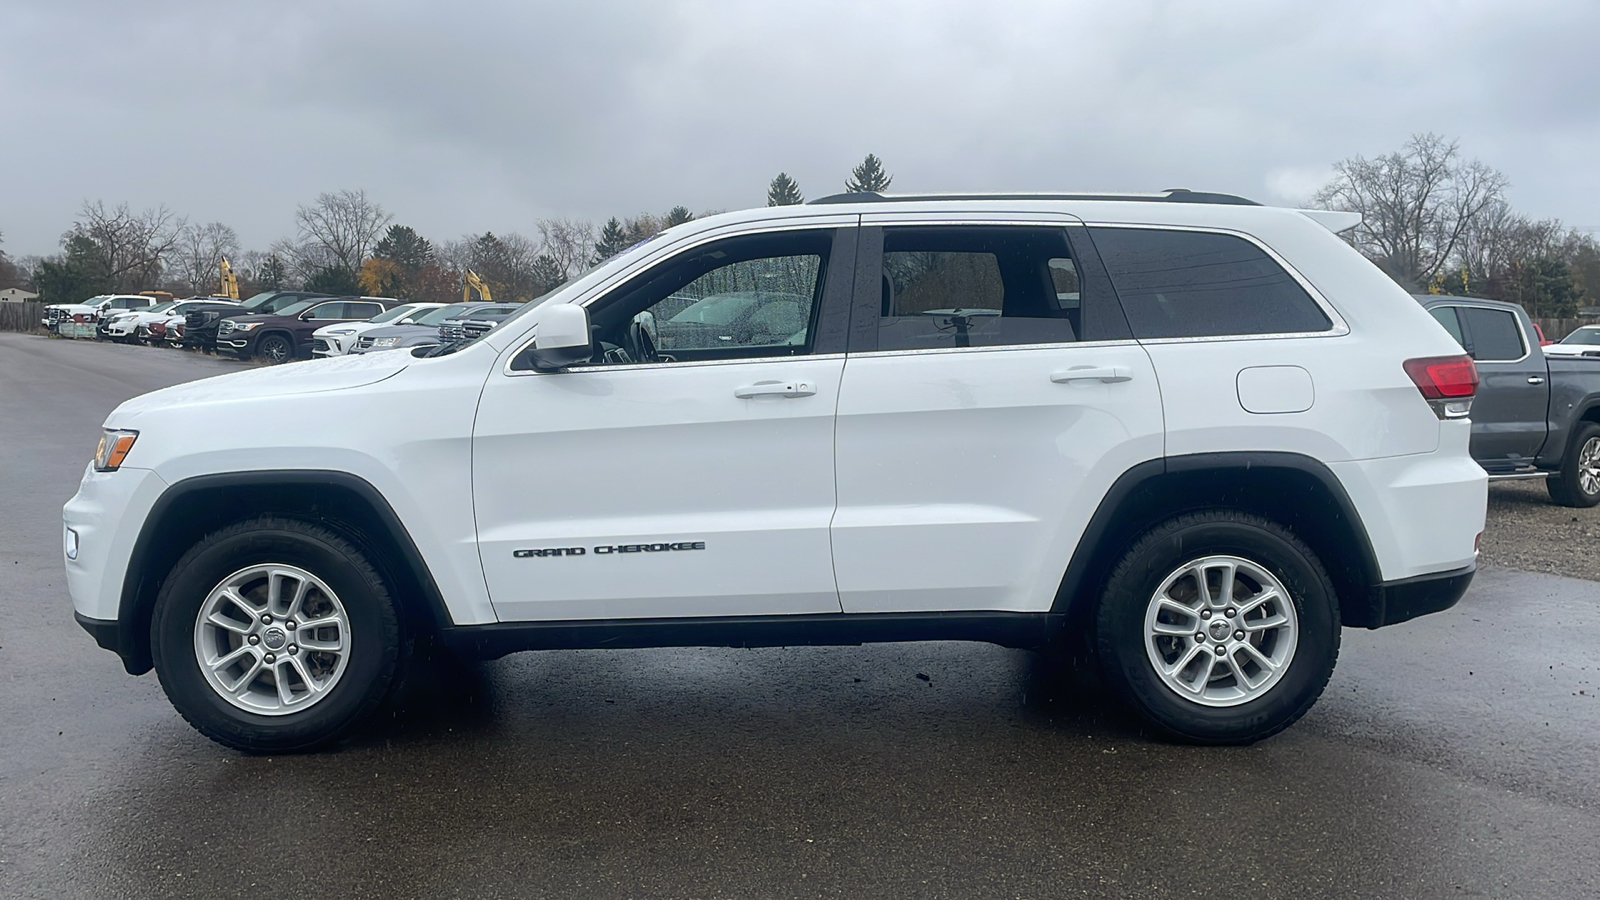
{"x":1231,"y":612}
{"x":1238,"y":635}
{"x":254,"y":639}
{"x":289,"y":624}
{"x":1200,"y":637}
{"x":266,"y":620}
{"x":1221,"y":650}
{"x":269,"y":658}
{"x":293,"y":649}
{"x":1205,"y":613}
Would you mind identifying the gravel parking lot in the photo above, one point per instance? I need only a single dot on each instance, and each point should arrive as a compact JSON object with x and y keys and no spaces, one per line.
{"x":1526,"y":531}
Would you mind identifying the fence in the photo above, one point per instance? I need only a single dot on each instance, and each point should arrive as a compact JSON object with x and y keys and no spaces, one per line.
{"x":23,"y":316}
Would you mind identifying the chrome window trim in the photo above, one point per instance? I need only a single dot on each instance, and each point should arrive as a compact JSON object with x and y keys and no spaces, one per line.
{"x":1338,"y":328}
{"x":991,"y":348}
{"x":1522,"y":335}
{"x":683,"y":364}
{"x":742,"y":229}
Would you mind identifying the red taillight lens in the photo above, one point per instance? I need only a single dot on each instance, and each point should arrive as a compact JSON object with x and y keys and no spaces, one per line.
{"x":1444,"y":377}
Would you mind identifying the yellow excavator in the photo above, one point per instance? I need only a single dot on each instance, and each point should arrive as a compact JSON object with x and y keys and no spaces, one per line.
{"x":230,"y":281}
{"x":471,"y":282}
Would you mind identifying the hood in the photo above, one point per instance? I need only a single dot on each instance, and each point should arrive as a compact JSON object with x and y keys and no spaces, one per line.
{"x":400,"y":331}
{"x":337,"y":373}
{"x":250,"y":317}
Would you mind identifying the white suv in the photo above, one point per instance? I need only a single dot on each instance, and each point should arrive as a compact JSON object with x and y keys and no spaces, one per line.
{"x":1191,"y":433}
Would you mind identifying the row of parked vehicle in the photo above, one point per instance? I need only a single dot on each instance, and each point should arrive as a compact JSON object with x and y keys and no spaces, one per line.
{"x":276,"y":326}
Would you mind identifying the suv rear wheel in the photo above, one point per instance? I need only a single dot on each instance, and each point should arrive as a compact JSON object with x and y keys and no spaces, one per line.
{"x":1218,"y":627}
{"x":1578,"y":482}
{"x":275,"y":635}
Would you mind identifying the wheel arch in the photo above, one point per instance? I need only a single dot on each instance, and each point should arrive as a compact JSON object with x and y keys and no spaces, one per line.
{"x":1295,"y":490}
{"x":194,"y":507}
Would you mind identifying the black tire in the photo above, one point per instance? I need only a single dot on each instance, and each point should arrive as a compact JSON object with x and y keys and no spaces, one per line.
{"x":1567,"y":486}
{"x":376,"y":651}
{"x":275,"y":348}
{"x":1120,"y":627}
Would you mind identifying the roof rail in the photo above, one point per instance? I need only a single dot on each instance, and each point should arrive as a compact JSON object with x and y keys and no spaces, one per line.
{"x":1171,"y":195}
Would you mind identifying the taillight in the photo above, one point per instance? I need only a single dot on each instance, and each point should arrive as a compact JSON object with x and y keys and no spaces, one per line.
{"x":1448,"y":383}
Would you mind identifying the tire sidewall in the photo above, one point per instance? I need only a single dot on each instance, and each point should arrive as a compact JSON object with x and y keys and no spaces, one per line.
{"x":1121,"y":638}
{"x":1576,"y":496}
{"x":374,"y":639}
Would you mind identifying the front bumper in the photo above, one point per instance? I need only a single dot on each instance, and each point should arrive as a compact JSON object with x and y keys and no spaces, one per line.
{"x":236,"y":346}
{"x":106,"y":514}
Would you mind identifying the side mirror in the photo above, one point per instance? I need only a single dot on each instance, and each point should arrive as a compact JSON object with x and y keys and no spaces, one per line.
{"x":562,"y":338}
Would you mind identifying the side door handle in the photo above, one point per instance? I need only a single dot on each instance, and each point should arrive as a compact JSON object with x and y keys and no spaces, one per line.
{"x":776,"y":389}
{"x":1536,"y":379}
{"x":1103,"y":374}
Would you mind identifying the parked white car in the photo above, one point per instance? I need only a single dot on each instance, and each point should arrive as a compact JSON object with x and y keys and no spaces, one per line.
{"x":340,"y":339}
{"x":1584,"y":341}
{"x":1193,"y":434}
{"x":94,"y":308}
{"x":135,"y":324}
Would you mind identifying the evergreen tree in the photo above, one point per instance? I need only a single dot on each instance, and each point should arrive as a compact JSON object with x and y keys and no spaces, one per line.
{"x":677,"y":216}
{"x":547,"y":274}
{"x":271,"y":276}
{"x":613,"y":240}
{"x":405,"y":248}
{"x":334,"y":279}
{"x":784,"y":191}
{"x":869,"y":176}
{"x":81,"y":273}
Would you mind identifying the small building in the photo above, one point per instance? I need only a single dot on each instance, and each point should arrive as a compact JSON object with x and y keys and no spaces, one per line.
{"x":17,"y":295}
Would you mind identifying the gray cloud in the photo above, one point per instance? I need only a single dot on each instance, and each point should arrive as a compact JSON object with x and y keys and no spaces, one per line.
{"x":464,"y":117}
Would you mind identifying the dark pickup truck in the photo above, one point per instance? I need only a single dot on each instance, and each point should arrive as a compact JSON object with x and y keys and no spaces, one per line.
{"x":1533,"y":416}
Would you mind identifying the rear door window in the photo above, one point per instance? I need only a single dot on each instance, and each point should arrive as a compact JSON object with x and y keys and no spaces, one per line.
{"x":1495,"y":335}
{"x":966,"y":286}
{"x":1446,"y":316}
{"x":1177,"y":284}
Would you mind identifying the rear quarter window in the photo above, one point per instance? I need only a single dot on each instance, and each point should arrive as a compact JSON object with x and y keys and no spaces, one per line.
{"x":1176,"y":284}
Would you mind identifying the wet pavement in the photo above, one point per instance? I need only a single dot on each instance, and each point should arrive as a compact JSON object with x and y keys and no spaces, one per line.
{"x":1453,"y":756}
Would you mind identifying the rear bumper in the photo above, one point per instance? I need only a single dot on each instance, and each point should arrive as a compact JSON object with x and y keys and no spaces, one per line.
{"x":1408,"y":598}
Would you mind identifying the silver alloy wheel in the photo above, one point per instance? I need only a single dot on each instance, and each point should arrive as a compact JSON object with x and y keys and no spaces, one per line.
{"x":272,"y":639}
{"x":1589,"y":467}
{"x":1220,"y":631}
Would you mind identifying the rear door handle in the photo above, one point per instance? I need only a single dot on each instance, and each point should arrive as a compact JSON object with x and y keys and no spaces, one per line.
{"x":1104,"y":374}
{"x":776,"y":389}
{"x":1536,"y":379}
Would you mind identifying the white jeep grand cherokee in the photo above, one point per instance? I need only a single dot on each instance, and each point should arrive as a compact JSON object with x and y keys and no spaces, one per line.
{"x":1197,"y":434}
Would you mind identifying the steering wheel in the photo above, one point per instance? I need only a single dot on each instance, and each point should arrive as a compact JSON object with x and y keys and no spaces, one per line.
{"x":642,"y":335}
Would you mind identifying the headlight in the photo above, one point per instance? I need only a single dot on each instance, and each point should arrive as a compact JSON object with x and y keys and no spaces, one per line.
{"x":113,"y":449}
{"x":245,"y":326}
{"x":385,"y":341}
{"x":343,"y":331}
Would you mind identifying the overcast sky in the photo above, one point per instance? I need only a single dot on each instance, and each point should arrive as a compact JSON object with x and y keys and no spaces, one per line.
{"x":464,"y":117}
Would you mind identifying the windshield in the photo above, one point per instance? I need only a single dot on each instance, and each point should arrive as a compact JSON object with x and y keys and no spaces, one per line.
{"x":162,"y":307}
{"x":718,"y":310}
{"x":299,"y":306}
{"x":437,"y":316}
{"x":258,"y":299}
{"x":1583,"y":336}
{"x":391,"y":315}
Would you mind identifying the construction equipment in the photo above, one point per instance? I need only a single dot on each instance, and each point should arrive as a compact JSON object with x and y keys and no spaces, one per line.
{"x":230,"y":281}
{"x":470,"y":282}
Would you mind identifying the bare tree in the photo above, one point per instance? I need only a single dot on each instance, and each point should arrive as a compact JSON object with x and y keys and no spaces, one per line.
{"x":199,"y":255}
{"x":567,"y":242}
{"x":1416,"y":204}
{"x":134,"y":246}
{"x":340,"y":228}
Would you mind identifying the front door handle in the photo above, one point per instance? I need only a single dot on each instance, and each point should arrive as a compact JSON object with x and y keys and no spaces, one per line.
{"x":1104,"y":374}
{"x":776,"y":389}
{"x":1536,"y":379}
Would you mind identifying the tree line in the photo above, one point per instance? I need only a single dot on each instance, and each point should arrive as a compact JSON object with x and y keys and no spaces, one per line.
{"x":344,"y":243}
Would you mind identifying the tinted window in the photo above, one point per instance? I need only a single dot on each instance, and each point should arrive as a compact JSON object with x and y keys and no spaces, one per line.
{"x":1583,"y":336}
{"x":1446,"y":315}
{"x":362,"y":310}
{"x":974,"y":287}
{"x":1200,"y":284}
{"x":323,"y":311}
{"x":1495,"y":336}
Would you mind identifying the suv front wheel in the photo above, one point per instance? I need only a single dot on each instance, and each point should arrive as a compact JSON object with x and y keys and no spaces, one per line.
{"x":1218,"y":627}
{"x":275,"y":635}
{"x":275,"y":348}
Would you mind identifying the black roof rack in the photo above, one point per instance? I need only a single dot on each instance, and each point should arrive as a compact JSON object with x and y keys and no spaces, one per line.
{"x":1171,"y":195}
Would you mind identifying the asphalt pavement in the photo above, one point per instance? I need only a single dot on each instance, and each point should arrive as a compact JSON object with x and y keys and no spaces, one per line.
{"x":1454,"y":756}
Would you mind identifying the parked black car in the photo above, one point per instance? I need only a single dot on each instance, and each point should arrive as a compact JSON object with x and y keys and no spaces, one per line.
{"x":286,"y":334}
{"x":200,"y":328}
{"x":1533,"y":416}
